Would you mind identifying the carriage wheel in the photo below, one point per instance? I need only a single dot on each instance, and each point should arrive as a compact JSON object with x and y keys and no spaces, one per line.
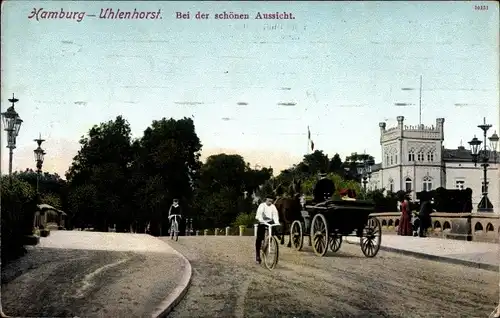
{"x":335,"y":242}
{"x":296,"y":235}
{"x":319,"y":234}
{"x":372,"y":237}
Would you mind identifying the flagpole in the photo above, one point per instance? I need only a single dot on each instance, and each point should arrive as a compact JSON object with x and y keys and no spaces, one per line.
{"x":420,"y":105}
{"x":308,"y":140}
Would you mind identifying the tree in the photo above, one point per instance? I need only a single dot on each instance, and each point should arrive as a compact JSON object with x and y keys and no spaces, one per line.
{"x":352,"y":164}
{"x":166,"y":166}
{"x":316,"y":162}
{"x":47,"y":183}
{"x":224,"y":189}
{"x":335,"y":165}
{"x":50,"y":186}
{"x":221,"y":184}
{"x":83,"y":205}
{"x":255,"y":178}
{"x":224,"y":170}
{"x":102,"y":164}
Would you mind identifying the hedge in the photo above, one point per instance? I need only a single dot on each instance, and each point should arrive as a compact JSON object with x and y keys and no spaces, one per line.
{"x":447,"y":200}
{"x":18,"y":208}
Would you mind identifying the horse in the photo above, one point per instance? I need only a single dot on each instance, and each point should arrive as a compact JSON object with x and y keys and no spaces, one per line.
{"x":289,"y":209}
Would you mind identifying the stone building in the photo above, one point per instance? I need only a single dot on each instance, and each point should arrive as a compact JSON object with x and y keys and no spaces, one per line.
{"x":414,"y":159}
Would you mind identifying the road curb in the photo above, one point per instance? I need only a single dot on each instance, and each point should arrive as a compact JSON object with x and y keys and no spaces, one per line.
{"x":173,"y":299}
{"x":446,"y":259}
{"x":488,"y":267}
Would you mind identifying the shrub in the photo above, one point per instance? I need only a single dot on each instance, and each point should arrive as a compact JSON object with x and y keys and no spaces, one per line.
{"x":247,"y":219}
{"x":18,"y":208}
{"x":31,"y":240}
{"x":387,"y":203}
{"x":44,"y":233}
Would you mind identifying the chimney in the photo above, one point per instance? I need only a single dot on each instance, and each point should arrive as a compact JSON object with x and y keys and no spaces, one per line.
{"x":400,"y":119}
{"x":382,"y":130}
{"x":440,"y":126}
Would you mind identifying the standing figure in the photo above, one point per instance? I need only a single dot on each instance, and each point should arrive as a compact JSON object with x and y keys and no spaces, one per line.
{"x":405,"y":227}
{"x":425,"y":215}
{"x":266,"y":213}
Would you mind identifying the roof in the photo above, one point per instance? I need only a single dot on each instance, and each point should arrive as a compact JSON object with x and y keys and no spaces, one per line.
{"x":461,"y":155}
{"x":376,"y":167}
{"x":44,"y":206}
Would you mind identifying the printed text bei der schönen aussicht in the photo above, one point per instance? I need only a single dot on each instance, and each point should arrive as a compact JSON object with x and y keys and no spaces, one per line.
{"x":235,"y":16}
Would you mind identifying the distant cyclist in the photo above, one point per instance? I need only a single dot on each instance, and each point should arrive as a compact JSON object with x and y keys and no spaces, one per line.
{"x":175,"y":208}
{"x":266,"y":213}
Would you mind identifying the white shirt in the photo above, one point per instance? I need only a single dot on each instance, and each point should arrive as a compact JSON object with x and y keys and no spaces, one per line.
{"x":266,"y":213}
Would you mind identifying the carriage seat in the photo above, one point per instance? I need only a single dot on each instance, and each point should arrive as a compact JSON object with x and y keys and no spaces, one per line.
{"x":314,"y":203}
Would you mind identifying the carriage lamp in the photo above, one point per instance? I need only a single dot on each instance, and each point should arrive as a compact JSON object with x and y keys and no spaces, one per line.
{"x":483,"y":156}
{"x":12,"y":123}
{"x":303,"y":201}
{"x":39,"y":156}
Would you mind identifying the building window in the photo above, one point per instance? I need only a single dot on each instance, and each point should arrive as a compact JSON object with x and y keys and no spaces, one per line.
{"x":411,"y":155}
{"x":460,"y":184}
{"x":392,"y":160}
{"x":427,"y":184}
{"x":396,"y":159}
{"x":420,"y":156}
{"x":387,"y":160}
{"x":430,"y":156}
{"x":408,"y":184}
{"x":391,"y":185}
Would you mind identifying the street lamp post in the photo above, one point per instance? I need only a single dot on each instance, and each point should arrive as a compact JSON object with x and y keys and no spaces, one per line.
{"x":39,"y":155}
{"x":12,"y":123}
{"x":366,"y":171}
{"x":483,"y":156}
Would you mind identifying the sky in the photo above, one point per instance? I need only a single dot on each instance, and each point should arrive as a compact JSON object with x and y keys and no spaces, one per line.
{"x":251,"y":86}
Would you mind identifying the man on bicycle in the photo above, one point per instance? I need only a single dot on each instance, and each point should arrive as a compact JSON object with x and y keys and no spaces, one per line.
{"x":175,"y":208}
{"x":266,"y":213}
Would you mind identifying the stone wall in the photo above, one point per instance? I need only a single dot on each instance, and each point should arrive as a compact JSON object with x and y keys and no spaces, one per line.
{"x":483,"y":227}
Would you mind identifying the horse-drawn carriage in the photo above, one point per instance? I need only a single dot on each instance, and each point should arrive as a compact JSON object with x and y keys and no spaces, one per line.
{"x":333,"y":219}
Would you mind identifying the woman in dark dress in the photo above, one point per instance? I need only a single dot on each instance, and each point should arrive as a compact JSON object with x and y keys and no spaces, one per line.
{"x":405,"y":227}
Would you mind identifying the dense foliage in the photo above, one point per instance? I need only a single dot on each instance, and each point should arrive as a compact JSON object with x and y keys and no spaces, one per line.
{"x":18,"y":206}
{"x":448,"y":200}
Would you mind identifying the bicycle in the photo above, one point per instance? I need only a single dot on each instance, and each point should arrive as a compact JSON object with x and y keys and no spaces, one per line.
{"x":174,"y":227}
{"x":270,"y":245}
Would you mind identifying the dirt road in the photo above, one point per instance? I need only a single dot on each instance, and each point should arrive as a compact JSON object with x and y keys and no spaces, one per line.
{"x":227,"y":283}
{"x":88,"y":274}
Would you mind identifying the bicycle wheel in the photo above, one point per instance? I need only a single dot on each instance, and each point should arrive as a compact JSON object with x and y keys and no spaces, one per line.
{"x":176,"y":232}
{"x":270,"y":255}
{"x":172,"y":231}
